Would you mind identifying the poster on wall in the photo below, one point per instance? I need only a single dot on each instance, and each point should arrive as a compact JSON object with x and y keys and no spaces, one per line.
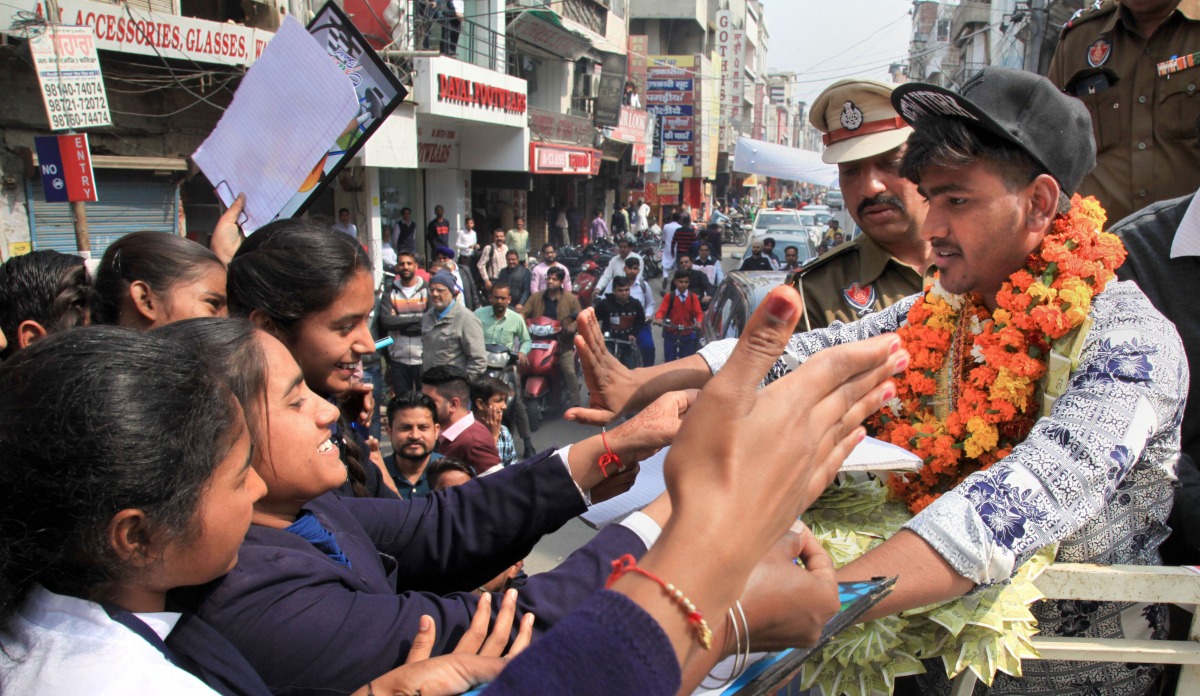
{"x":378,"y":90}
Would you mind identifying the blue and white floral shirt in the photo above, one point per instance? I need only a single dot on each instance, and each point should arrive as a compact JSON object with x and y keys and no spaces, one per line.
{"x":1095,"y":475}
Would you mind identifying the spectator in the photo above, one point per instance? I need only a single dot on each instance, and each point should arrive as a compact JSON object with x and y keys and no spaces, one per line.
{"x":769,"y":252}
{"x":462,"y":437}
{"x":404,"y":232}
{"x":41,"y":293}
{"x":467,"y":242}
{"x":504,"y":328}
{"x":148,"y":279}
{"x":489,"y":402}
{"x":718,"y":216}
{"x":620,"y":222}
{"x":697,"y":280}
{"x":563,"y":225}
{"x":714,"y":236}
{"x":517,"y":278}
{"x":399,"y":315}
{"x":622,"y":317}
{"x":451,"y":19}
{"x":756,"y":261}
{"x":834,"y":228}
{"x":517,"y":240}
{"x":450,"y":334}
{"x":466,"y":283}
{"x":413,"y":431}
{"x":598,"y":230}
{"x":838,"y":239}
{"x":654,"y":230}
{"x":563,"y":307}
{"x":791,"y":258}
{"x":643,"y":216}
{"x":437,"y":232}
{"x":639,"y":290}
{"x":709,"y":265}
{"x":344,"y":225}
{"x":537,"y":277}
{"x":685,"y":235}
{"x":630,"y":96}
{"x":679,"y":313}
{"x":491,"y":259}
{"x":668,"y":254}
{"x":616,"y":265}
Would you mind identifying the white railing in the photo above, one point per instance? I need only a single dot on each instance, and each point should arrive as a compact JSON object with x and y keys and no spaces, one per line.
{"x":1120,"y":583}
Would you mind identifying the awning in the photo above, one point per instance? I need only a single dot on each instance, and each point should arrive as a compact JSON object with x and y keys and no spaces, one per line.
{"x":783,"y":162}
{"x":545,"y":30}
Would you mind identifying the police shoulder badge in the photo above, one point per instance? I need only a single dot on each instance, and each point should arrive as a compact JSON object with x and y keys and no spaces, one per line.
{"x":1098,"y":52}
{"x":852,"y":116}
{"x":862,"y":299}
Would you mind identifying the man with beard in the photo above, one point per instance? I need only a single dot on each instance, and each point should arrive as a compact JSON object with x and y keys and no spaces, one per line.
{"x":865,"y":137}
{"x":401,"y":308}
{"x":537,"y":277}
{"x":413,"y":430}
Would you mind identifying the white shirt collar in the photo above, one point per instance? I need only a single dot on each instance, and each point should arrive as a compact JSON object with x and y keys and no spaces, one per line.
{"x":455,"y":430}
{"x":1187,"y":237}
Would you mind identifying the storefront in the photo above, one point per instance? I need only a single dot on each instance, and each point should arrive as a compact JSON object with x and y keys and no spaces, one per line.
{"x":562,"y":182}
{"x":472,"y":144}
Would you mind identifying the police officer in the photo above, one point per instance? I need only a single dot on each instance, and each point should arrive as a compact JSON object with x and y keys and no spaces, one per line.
{"x":1135,"y":65}
{"x":865,"y":137}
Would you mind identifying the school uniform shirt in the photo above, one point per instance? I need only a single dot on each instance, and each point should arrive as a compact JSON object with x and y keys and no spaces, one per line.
{"x":465,"y":241}
{"x":680,"y":308}
{"x":60,"y":646}
{"x":310,"y":625}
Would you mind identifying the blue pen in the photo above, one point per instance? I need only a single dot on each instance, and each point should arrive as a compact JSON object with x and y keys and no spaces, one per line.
{"x":384,"y":342}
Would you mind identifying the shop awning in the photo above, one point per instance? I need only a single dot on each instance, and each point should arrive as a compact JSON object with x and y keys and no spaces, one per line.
{"x":545,"y":30}
{"x":783,"y":162}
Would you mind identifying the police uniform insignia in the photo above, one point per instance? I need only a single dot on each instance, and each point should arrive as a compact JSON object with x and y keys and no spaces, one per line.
{"x":862,"y":299}
{"x":1098,"y":52}
{"x":852,"y":116}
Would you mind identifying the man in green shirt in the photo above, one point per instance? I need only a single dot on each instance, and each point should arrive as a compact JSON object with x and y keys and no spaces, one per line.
{"x":518,"y":240}
{"x":504,"y":327}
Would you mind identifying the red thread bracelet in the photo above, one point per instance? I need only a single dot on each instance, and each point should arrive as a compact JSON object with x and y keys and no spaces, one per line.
{"x":628,"y":564}
{"x":609,"y":457}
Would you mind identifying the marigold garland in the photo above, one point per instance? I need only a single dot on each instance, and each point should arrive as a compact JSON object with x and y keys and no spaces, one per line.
{"x":981,"y":370}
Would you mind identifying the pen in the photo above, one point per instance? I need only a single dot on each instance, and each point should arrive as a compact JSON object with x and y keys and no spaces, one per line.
{"x":384,"y":342}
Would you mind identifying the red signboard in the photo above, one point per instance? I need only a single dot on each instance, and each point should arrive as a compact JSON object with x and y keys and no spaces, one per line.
{"x":546,"y":158}
{"x":632,"y":126}
{"x":66,"y":167}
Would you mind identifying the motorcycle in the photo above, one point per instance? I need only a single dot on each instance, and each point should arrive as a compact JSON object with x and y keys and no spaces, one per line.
{"x":651,"y":251}
{"x":541,"y":377}
{"x":585,"y":282}
{"x":501,"y":360}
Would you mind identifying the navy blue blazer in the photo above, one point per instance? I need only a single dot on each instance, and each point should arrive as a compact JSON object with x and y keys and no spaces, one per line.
{"x":309,"y":625}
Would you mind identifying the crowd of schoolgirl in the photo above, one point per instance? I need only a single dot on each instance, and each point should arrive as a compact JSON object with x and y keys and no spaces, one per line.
{"x":191,"y":504}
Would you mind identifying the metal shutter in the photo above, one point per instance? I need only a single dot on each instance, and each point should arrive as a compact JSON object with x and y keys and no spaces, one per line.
{"x":129,"y":202}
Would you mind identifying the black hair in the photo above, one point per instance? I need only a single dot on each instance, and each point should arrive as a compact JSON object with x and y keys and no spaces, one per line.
{"x":512,"y":252}
{"x":620,"y":282}
{"x":446,"y":464}
{"x":684,"y":255}
{"x":405,"y":252}
{"x":791,"y":248}
{"x":768,"y":240}
{"x":486,"y":388}
{"x":468,"y":219}
{"x":547,"y":245}
{"x":681,"y":275}
{"x":159,"y":260}
{"x":685,"y":220}
{"x":633,"y":262}
{"x":131,"y":420}
{"x":953,"y":142}
{"x":626,"y":241}
{"x":231,"y":352}
{"x":450,"y":381}
{"x":556,"y":273}
{"x":343,"y":210}
{"x":409,"y":400}
{"x":45,"y":286}
{"x":518,"y":218}
{"x":406,"y":209}
{"x":289,"y":269}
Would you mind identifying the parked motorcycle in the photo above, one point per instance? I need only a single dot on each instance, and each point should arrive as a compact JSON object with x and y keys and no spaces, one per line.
{"x":542,"y":378}
{"x":585,"y":282}
{"x":651,"y":251}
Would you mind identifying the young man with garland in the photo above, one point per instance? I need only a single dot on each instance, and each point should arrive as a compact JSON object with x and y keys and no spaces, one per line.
{"x":1044,"y":398}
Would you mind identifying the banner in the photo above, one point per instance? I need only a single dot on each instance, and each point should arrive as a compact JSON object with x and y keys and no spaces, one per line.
{"x":612,"y":85}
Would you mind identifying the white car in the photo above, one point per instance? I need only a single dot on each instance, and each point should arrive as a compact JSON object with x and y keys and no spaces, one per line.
{"x":773,"y":217}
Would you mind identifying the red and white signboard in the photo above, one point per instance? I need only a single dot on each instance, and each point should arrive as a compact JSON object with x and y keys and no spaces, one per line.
{"x":65,"y":162}
{"x":546,"y":158}
{"x":68,"y":71}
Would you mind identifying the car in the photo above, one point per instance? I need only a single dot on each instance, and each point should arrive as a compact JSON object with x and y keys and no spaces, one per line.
{"x":774,"y":216}
{"x":834,"y":198}
{"x":735,"y":300}
{"x":796,"y":235}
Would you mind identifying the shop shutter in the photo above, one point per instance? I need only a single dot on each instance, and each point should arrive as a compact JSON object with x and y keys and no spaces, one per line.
{"x":129,"y":202}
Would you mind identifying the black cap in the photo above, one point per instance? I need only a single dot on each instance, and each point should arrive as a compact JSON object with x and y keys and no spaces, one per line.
{"x":1022,"y":107}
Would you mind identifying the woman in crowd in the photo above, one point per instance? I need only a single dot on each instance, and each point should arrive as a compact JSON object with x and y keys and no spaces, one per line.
{"x":148,"y":279}
{"x":144,"y":486}
{"x":314,"y":291}
{"x":41,"y":293}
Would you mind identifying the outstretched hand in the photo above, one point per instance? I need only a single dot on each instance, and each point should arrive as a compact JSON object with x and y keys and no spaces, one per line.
{"x":478,"y":658}
{"x":610,"y":384}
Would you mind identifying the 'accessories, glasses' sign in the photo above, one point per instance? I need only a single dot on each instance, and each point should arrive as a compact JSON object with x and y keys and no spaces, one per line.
{"x":462,"y":91}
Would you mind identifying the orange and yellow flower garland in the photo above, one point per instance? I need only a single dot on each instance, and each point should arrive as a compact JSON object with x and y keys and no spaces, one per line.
{"x":968,"y":395}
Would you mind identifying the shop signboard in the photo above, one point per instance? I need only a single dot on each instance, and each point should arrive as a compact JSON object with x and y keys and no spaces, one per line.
{"x":450,"y":88}
{"x":560,"y":128}
{"x":612,"y":85}
{"x":68,"y":72}
{"x":129,"y":29}
{"x":672,"y":93}
{"x":632,"y":126}
{"x":549,"y":158}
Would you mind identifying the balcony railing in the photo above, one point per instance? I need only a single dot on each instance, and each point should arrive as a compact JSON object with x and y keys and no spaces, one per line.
{"x":422,"y":29}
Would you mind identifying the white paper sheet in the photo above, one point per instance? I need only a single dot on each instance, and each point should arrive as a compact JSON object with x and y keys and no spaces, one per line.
{"x":290,"y":108}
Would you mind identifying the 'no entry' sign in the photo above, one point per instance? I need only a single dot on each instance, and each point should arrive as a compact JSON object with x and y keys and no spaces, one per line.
{"x":66,"y":166}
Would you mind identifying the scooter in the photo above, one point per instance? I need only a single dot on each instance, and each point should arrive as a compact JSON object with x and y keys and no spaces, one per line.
{"x":500,"y":362}
{"x":585,"y":282}
{"x":542,"y":377}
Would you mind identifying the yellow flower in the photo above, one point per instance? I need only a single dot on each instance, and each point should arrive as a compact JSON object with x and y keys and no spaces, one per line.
{"x":1041,"y":292}
{"x":1075,"y":292}
{"x":1009,"y":387}
{"x":984,"y":437}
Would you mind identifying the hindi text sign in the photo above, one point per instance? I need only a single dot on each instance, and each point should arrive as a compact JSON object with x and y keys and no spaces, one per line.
{"x":68,"y":71}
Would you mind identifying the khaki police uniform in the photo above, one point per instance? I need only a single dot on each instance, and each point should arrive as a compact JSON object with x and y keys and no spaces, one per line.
{"x":852,"y":281}
{"x":1144,"y":122}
